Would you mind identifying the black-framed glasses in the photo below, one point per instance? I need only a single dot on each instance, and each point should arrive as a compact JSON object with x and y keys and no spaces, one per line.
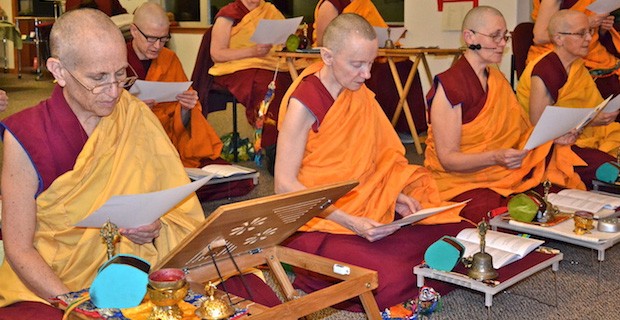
{"x":153,"y":39}
{"x":583,"y":34}
{"x":125,"y":83}
{"x":497,"y":38}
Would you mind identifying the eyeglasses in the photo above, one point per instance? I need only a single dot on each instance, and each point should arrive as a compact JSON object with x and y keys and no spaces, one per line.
{"x":153,"y":39}
{"x":582,"y":34}
{"x":495,"y":37}
{"x":125,"y":83}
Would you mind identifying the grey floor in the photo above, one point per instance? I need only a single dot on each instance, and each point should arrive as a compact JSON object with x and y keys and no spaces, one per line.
{"x":582,"y":293}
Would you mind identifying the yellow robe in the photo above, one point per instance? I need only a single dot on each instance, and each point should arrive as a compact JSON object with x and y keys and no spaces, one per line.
{"x":196,"y":142}
{"x":502,"y":124}
{"x":579,"y":91}
{"x":240,"y":38}
{"x":128,"y":153}
{"x":356,"y":141}
{"x":597,"y":58}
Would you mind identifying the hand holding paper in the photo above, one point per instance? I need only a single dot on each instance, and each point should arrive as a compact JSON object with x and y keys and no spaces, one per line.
{"x":275,"y":31}
{"x":557,"y":121}
{"x":158,"y":91}
{"x":132,"y":211}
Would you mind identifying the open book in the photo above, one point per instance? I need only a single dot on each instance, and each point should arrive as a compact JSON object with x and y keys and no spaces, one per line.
{"x":421,"y":214}
{"x":557,"y":121}
{"x":571,"y":200}
{"x":503,"y":247}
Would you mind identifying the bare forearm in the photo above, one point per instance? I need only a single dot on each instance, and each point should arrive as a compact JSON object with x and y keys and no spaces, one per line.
{"x":35,"y":273}
{"x":465,"y":163}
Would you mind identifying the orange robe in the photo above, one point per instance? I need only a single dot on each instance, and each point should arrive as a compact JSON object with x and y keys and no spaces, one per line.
{"x":501,"y":124}
{"x":198,"y":140}
{"x":579,"y":91}
{"x":356,"y":141}
{"x":598,"y":57}
{"x":374,"y":156}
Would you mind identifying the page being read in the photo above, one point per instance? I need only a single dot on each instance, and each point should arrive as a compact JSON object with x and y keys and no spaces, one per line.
{"x":604,"y":6}
{"x":507,"y":247}
{"x":275,"y":31}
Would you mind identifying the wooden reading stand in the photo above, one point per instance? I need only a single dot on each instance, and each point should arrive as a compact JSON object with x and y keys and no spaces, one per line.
{"x":252,"y":231}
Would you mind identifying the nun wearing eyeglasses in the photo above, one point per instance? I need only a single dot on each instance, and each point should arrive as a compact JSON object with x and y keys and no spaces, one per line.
{"x":66,"y":156}
{"x":602,"y":59}
{"x":560,"y":78}
{"x":189,"y":131}
{"x":478,"y":129}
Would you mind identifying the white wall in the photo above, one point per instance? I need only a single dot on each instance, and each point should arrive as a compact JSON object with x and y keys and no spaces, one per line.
{"x":424,"y":25}
{"x":421,"y":19}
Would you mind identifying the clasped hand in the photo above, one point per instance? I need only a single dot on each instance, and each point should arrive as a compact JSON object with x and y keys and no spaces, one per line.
{"x":261,"y":50}
{"x":143,"y":234}
{"x":510,"y":158}
{"x":366,"y":228}
{"x":188,"y":99}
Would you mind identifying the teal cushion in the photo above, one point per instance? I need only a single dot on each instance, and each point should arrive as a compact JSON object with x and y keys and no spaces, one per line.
{"x":608,"y":172}
{"x":444,"y":254}
{"x":120,"y":283}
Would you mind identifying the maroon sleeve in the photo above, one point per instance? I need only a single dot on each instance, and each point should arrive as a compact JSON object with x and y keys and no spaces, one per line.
{"x":461,"y":86}
{"x":339,"y":4}
{"x":551,"y":71}
{"x":234,"y":11}
{"x":312,"y":93}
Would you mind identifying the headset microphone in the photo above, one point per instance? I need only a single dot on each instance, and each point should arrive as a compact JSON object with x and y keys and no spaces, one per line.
{"x":478,"y":47}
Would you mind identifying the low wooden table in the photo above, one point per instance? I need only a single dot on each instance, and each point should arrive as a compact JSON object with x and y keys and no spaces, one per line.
{"x":508,"y":275}
{"x":416,"y":54}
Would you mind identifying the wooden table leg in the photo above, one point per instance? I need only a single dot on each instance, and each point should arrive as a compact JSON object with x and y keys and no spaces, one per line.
{"x":402,"y":102}
{"x":427,"y":69}
{"x":291,"y":68}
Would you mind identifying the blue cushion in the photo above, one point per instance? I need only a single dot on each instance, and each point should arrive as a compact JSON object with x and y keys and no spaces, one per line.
{"x":444,"y":254}
{"x":120,"y":283}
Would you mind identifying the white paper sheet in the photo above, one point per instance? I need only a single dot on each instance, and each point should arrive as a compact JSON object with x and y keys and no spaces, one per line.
{"x":419,"y":215}
{"x":132,"y":211}
{"x":604,"y":6}
{"x":613,"y":104}
{"x":158,"y":91}
{"x":554,"y":123}
{"x":275,"y":31}
{"x":395,"y":34}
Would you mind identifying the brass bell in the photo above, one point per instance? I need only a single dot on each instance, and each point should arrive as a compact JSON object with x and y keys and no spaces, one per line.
{"x":389,"y":44}
{"x":482,"y":262}
{"x":214,"y":308}
{"x":482,"y":267}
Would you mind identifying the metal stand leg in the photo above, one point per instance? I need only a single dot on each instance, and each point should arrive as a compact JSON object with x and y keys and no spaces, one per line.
{"x":235,"y":133}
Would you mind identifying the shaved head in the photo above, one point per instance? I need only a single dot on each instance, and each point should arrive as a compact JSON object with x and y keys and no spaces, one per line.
{"x":344,"y":27}
{"x":563,"y":20}
{"x":77,"y":32}
{"x":475,"y":18}
{"x":150,"y":13}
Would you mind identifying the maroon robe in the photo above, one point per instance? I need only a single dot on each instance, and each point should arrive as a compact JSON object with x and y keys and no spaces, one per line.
{"x":553,"y":74}
{"x":250,"y":86}
{"x":392,"y":257}
{"x":51,"y":134}
{"x":381,"y":82}
{"x":53,"y":137}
